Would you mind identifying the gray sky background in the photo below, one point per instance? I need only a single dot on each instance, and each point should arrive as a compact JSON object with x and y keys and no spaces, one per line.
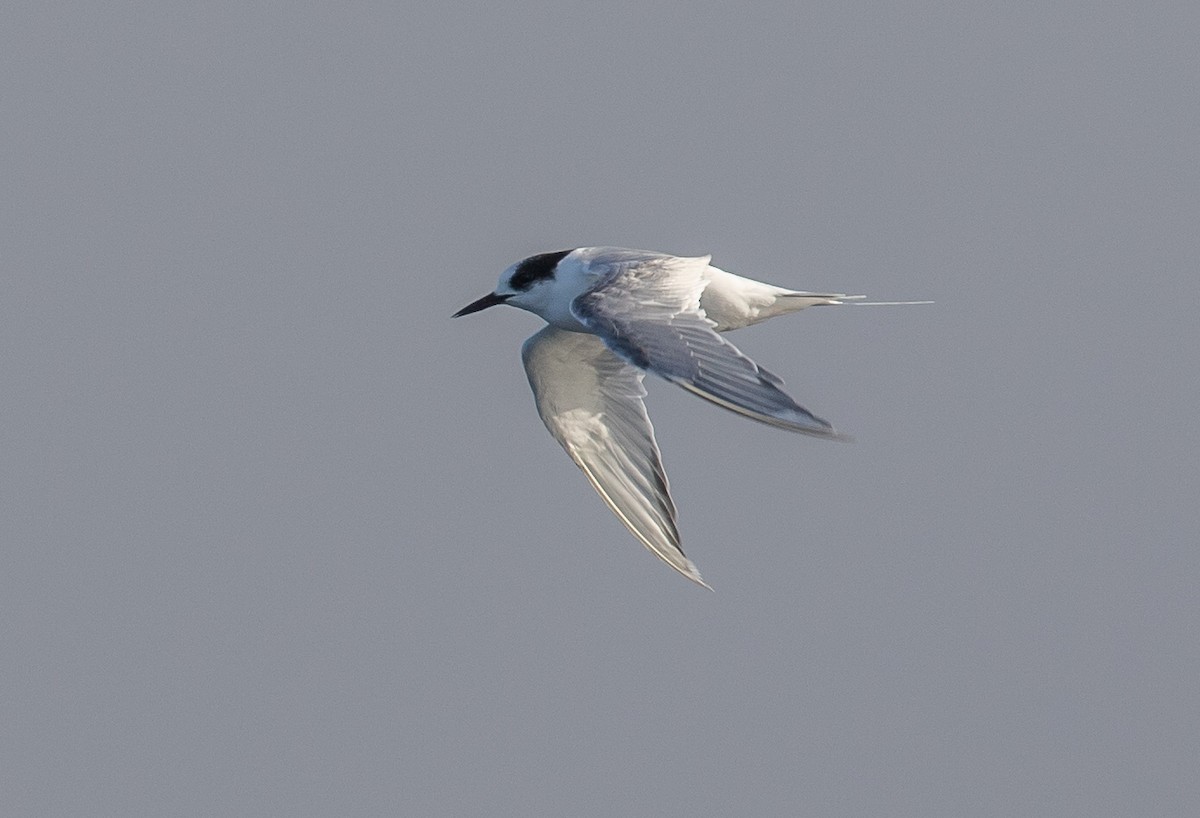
{"x":281,"y":538}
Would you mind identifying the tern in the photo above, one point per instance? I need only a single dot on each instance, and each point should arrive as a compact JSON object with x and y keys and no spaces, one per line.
{"x":615,"y":314}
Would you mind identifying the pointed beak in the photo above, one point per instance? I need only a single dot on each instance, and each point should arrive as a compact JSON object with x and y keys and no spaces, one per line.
{"x":489,"y":300}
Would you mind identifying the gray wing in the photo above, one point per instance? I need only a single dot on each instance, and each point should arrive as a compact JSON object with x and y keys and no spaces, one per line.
{"x":647,"y":310}
{"x":591,"y":402}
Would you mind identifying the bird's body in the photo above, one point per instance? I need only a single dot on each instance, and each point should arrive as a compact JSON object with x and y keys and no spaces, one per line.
{"x":615,"y":314}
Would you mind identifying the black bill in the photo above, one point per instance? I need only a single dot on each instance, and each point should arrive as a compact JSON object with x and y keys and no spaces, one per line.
{"x":489,"y":300}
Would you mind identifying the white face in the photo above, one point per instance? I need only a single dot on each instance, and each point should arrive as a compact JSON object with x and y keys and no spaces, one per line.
{"x":545,"y":285}
{"x":545,"y":288}
{"x":535,"y":297}
{"x":504,"y":286}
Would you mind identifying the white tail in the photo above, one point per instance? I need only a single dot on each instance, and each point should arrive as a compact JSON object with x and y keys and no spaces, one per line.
{"x":855,"y":303}
{"x":827,"y":299}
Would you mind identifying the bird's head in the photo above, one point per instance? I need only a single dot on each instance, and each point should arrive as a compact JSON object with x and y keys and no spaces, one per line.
{"x":528,"y":284}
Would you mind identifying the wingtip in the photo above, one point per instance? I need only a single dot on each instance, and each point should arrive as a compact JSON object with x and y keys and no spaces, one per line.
{"x":691,"y":572}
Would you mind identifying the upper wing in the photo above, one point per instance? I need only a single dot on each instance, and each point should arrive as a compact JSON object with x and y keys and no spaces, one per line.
{"x":647,"y":310}
{"x":591,"y":401}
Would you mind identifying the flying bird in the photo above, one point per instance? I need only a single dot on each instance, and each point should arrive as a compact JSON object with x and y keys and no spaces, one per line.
{"x":615,"y":314}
